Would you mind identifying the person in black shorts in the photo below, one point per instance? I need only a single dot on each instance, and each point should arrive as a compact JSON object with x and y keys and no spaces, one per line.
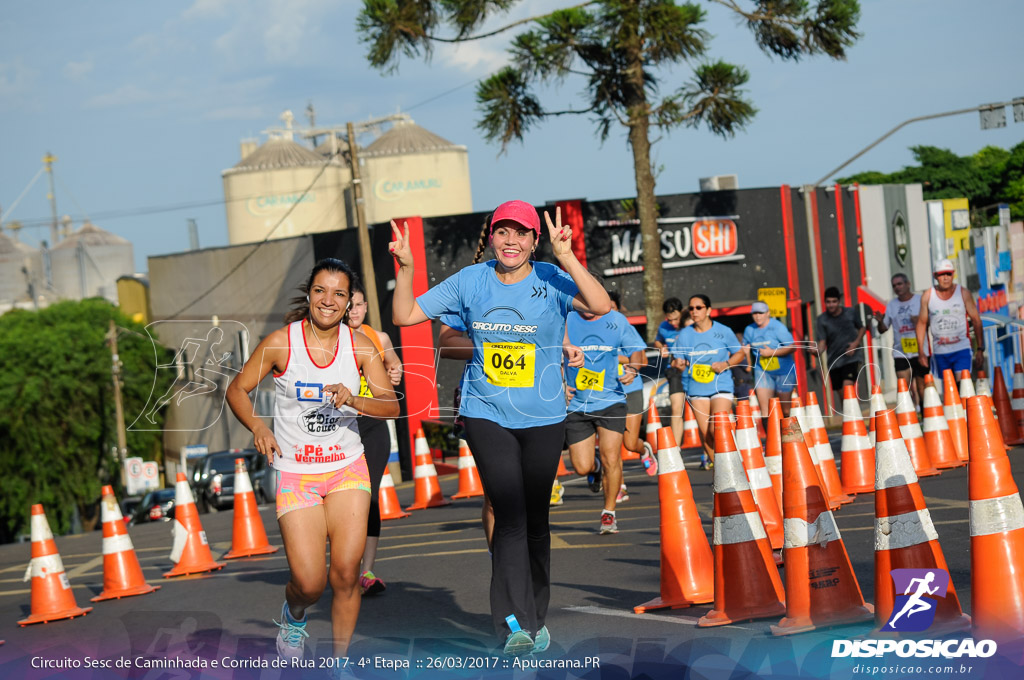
{"x":839,"y":332}
{"x":675,"y":319}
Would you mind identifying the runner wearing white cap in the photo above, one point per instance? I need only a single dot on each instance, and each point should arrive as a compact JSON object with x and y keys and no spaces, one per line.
{"x":945,"y":309}
{"x":769,"y":346}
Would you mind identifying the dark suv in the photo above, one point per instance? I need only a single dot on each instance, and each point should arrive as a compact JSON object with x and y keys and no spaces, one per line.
{"x":213,"y":478}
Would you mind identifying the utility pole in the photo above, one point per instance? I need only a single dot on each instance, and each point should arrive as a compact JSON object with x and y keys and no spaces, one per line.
{"x":122,"y":442}
{"x":49,"y":159}
{"x":365,"y":257}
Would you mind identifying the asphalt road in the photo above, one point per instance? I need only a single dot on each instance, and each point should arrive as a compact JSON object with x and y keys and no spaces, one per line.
{"x":435,"y":612}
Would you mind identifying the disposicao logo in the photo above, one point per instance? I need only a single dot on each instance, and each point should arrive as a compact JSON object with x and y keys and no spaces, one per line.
{"x":913,"y":611}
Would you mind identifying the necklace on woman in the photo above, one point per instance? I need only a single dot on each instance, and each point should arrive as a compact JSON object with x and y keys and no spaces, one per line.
{"x":312,"y":330}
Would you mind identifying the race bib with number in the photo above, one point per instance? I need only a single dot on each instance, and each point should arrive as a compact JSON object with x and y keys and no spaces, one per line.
{"x":364,"y":388}
{"x":590,"y":380}
{"x":509,"y":364}
{"x":702,"y":373}
{"x":909,"y":345}
{"x":769,"y":363}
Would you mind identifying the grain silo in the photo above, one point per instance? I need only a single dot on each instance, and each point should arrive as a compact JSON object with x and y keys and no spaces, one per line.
{"x":284,"y":189}
{"x":88,"y":263}
{"x":21,"y":272}
{"x":409,"y":170}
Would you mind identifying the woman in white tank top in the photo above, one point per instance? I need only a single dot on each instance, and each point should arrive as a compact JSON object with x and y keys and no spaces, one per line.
{"x":323,"y":484}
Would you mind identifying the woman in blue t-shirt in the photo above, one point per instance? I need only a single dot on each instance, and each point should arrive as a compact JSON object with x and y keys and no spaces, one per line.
{"x":513,"y":401}
{"x":705,"y":351}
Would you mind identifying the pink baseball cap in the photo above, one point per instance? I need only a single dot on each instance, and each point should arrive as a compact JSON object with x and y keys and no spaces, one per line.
{"x":519,"y":212}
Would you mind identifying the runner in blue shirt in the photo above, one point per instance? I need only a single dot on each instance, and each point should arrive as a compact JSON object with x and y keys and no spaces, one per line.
{"x":676,"y":317}
{"x":513,"y":398}
{"x":770,"y":347}
{"x":634,"y":390}
{"x":705,"y":352}
{"x":598,"y":404}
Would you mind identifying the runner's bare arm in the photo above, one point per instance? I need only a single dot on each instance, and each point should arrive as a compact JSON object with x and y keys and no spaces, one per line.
{"x":391,"y":361}
{"x":383,"y":404}
{"x":404,"y":310}
{"x":454,"y":344}
{"x":922,"y":329}
{"x":270,"y":354}
{"x":592,"y":297}
{"x":972,"y":314}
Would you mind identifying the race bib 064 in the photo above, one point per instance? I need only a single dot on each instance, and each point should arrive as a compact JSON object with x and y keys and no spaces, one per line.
{"x":509,"y":364}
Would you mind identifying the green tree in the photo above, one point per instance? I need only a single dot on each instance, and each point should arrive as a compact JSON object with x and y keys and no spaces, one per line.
{"x":986,"y":178}
{"x":620,"y":49}
{"x":57,"y":428}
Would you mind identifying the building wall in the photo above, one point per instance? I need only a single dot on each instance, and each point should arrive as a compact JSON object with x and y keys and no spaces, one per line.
{"x":424,"y":184}
{"x":97,"y":267}
{"x":256,"y":201}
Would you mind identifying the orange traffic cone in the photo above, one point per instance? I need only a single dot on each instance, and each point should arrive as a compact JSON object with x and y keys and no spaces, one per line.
{"x":966,"y":387}
{"x":691,"y":437}
{"x":248,"y":537}
{"x":826,"y":458}
{"x":821,"y":589}
{"x":1017,"y":398}
{"x":755,"y":413}
{"x":687,"y":567}
{"x":983,"y":388}
{"x":470,"y":485}
{"x":653,"y":425}
{"x":797,"y":410}
{"x":1004,"y":411}
{"x":749,"y":445}
{"x":428,"y":488}
{"x":626,"y":454}
{"x":905,"y":536}
{"x":997,"y":531}
{"x":956,"y":417}
{"x":876,"y":404}
{"x":122,"y":575}
{"x":910,"y":430}
{"x":773,"y":448}
{"x":857,"y":455}
{"x":52,"y":599}
{"x":937,"y":437}
{"x":747,"y":583}
{"x":191,"y":549}
{"x":562,"y":470}
{"x":387,"y":498}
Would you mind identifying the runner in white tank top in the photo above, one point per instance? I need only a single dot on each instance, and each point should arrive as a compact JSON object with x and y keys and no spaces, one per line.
{"x":945,"y":310}
{"x":323,"y":483}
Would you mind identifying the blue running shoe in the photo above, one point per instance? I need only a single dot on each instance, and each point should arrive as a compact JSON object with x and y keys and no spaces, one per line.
{"x":541,"y":641}
{"x":291,"y":639}
{"x":518,"y":643}
{"x":594,"y":476}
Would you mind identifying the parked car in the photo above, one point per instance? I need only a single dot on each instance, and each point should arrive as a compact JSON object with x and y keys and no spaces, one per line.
{"x":213,"y":478}
{"x":156,"y":506}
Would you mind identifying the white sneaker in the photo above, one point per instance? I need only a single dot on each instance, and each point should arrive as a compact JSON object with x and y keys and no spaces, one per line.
{"x":291,"y":638}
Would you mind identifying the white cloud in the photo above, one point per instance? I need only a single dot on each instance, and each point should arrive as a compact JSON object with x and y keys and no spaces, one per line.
{"x":474,"y":57}
{"x":78,"y":70}
{"x":16,"y":82}
{"x":126,"y":95}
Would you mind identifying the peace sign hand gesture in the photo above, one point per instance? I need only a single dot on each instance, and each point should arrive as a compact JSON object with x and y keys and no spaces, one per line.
{"x":399,"y":248}
{"x":561,"y":235}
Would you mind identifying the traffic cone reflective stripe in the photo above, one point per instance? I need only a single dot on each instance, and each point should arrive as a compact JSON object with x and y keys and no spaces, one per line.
{"x":387,"y":498}
{"x":966,"y":387}
{"x":760,"y":482}
{"x":691,"y":436}
{"x":747,"y":583}
{"x":755,"y":413}
{"x":956,"y":417}
{"x":470,"y":485}
{"x":687,"y":566}
{"x":911,"y":432}
{"x":427,"y":486}
{"x":191,"y":549}
{"x":876,"y":404}
{"x":997,"y":530}
{"x":773,"y":448}
{"x":937,"y":437}
{"x":52,"y":599}
{"x":248,"y":537}
{"x":122,"y":575}
{"x":823,"y":451}
{"x":1004,"y":410}
{"x":653,"y":425}
{"x":796,"y":410}
{"x":858,"y":471}
{"x":821,"y":589}
{"x":905,"y":536}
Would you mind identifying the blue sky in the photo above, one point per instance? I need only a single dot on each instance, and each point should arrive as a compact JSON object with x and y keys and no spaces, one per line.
{"x":144,"y":104}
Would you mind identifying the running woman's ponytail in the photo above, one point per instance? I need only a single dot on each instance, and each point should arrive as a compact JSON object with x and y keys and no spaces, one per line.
{"x":482,"y":246}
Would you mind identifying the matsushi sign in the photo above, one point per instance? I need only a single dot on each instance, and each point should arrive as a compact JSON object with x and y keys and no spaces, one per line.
{"x":685,"y":242}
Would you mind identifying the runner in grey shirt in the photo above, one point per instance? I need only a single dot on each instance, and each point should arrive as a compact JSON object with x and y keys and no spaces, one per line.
{"x":839,"y":331}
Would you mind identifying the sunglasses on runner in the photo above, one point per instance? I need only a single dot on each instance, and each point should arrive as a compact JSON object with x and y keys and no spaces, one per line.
{"x":696,"y":308}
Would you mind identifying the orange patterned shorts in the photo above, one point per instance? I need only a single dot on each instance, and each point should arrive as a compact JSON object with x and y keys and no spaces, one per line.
{"x":296,"y":490}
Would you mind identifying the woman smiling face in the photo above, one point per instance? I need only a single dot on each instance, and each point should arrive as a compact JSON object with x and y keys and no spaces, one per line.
{"x":512,"y":243}
{"x":328,"y":298}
